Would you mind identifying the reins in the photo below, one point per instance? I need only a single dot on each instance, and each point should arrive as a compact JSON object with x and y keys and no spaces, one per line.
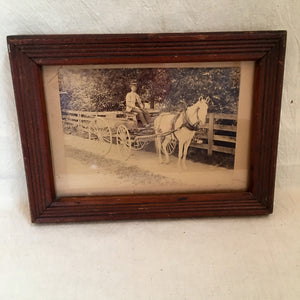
{"x":186,"y":123}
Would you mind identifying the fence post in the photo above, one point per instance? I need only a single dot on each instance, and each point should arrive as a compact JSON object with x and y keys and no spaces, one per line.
{"x":210,"y":134}
{"x":89,"y":129}
{"x":79,"y":119}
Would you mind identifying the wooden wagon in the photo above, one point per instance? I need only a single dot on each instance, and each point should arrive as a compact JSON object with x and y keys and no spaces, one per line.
{"x":114,"y":127}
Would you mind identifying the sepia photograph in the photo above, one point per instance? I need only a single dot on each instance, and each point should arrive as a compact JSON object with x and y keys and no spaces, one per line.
{"x":146,"y":129}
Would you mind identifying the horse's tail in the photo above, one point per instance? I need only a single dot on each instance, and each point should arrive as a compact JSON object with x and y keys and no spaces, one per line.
{"x":156,"y":124}
{"x":158,"y":131}
{"x":157,"y":144}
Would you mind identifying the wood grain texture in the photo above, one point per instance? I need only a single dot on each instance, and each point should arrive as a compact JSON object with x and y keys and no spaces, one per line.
{"x":29,"y":53}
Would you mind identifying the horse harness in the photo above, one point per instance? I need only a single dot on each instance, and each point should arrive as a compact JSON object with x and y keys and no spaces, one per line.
{"x":186,"y":122}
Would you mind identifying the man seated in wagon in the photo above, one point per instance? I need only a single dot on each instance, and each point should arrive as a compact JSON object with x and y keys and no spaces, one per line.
{"x":134,"y":104}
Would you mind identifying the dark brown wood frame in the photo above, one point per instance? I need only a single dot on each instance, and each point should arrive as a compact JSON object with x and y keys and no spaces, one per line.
{"x":28,"y":54}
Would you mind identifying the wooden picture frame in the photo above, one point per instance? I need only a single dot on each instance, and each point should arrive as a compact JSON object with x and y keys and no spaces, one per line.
{"x":29,"y":54}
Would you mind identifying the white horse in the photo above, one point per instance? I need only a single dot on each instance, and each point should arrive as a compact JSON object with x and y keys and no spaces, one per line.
{"x":182,"y":126}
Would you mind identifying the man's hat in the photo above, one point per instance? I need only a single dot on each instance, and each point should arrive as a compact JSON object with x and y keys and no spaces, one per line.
{"x":133,"y":83}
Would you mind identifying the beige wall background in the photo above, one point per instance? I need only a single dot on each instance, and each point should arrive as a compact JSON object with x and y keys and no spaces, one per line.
{"x":217,"y":258}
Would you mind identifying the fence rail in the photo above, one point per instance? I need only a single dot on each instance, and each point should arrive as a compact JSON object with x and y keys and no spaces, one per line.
{"x":78,"y":118}
{"x":213,"y":134}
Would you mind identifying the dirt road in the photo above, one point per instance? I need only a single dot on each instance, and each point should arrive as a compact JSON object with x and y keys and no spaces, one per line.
{"x":86,"y":170}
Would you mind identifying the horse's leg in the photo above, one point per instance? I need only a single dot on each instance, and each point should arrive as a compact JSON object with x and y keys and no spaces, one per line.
{"x":157,"y":122}
{"x":164,"y":148}
{"x":185,"y":150}
{"x":158,"y":147}
{"x":180,"y":148}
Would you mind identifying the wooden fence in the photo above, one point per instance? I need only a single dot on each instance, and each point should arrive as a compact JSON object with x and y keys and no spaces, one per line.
{"x":217,"y":132}
{"x":82,"y":119}
{"x":211,"y":133}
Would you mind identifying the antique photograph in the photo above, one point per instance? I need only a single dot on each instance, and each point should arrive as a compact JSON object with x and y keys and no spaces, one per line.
{"x":158,"y":129}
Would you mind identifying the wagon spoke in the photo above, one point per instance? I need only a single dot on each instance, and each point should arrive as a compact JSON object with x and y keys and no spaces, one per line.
{"x":101,"y":133}
{"x":171,"y":146}
{"x":123,"y":141}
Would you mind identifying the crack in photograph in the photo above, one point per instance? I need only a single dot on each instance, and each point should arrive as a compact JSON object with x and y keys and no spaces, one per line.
{"x":133,"y":130}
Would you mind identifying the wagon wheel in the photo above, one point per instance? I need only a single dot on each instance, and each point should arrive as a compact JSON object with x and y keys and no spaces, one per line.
{"x":139,"y":144}
{"x":123,"y":141}
{"x":171,"y":145}
{"x":100,"y":131}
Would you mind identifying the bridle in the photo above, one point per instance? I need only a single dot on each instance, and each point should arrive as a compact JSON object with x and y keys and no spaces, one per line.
{"x":187,"y":122}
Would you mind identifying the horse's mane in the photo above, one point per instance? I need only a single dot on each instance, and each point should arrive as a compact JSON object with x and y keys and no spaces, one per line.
{"x":198,"y":104}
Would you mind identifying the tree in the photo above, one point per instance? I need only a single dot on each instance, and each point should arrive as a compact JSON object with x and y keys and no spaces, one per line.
{"x":106,"y":89}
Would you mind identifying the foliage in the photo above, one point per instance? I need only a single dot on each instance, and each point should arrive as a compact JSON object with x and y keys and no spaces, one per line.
{"x":166,"y":88}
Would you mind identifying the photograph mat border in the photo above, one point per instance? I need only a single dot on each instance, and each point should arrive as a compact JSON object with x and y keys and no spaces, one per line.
{"x":241,"y":163}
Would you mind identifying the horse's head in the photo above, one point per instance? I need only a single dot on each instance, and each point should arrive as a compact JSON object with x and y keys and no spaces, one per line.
{"x":202,"y":105}
{"x":196,"y":113}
